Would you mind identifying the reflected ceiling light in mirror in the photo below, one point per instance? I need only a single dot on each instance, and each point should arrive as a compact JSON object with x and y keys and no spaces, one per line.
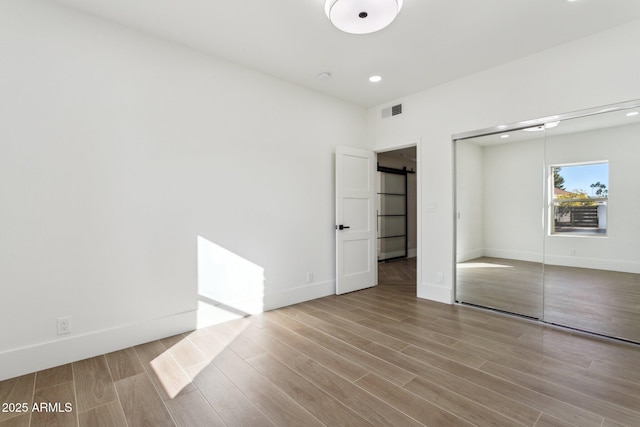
{"x":541,"y":120}
{"x":361,"y":16}
{"x":633,"y":113}
{"x":541,"y":127}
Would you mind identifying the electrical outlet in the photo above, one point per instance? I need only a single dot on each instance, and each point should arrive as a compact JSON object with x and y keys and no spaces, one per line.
{"x":309,"y":276}
{"x":64,"y":325}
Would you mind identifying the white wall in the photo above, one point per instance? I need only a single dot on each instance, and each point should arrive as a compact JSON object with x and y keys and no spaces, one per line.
{"x":620,"y":249}
{"x":513,"y":195}
{"x":598,"y":70}
{"x":117,"y":151}
{"x":470,"y":204}
{"x":508,"y":180}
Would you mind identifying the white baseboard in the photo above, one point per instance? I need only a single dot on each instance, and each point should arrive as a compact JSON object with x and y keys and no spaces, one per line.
{"x":466,"y":256}
{"x":299,"y":294}
{"x":24,"y":360}
{"x":517,"y":255}
{"x":567,"y":261}
{"x":436,"y":292}
{"x":594,"y":263}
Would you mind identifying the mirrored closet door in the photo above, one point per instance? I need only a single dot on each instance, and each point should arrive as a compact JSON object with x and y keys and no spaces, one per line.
{"x":499,"y":201}
{"x":592,"y":243}
{"x":547,"y":220}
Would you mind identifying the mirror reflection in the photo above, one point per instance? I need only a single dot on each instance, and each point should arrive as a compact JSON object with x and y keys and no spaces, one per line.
{"x":592,"y":244}
{"x":547,"y":222}
{"x":499,"y":201}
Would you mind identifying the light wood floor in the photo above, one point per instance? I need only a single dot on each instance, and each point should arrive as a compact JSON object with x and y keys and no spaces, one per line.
{"x":375,"y":357}
{"x":598,"y":301}
{"x":397,"y":272}
{"x":604,"y":302}
{"x":503,"y":284}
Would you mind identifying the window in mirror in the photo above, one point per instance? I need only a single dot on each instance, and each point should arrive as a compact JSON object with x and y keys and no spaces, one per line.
{"x":580,"y":193}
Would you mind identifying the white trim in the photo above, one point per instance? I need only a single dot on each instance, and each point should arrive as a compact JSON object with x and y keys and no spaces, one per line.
{"x":299,"y":294}
{"x":510,"y":254}
{"x":436,"y":292}
{"x":24,"y":360}
{"x":472,"y":254}
{"x":594,"y":263}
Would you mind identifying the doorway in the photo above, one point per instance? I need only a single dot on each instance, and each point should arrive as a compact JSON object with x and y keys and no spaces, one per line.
{"x":396,"y":216}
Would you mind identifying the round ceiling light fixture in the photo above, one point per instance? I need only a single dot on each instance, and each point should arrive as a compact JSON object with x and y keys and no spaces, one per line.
{"x":362,"y":16}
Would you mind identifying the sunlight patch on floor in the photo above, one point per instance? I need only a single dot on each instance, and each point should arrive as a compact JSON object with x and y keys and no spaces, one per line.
{"x":209,"y":314}
{"x":482,"y":265}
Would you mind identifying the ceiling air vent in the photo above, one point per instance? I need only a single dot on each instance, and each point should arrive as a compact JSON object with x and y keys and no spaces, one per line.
{"x":392,"y":111}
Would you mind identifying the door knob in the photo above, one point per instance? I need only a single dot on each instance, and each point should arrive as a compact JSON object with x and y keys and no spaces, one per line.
{"x":341,"y":227}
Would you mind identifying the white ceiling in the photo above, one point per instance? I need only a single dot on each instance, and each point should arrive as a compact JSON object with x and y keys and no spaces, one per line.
{"x":430,"y":42}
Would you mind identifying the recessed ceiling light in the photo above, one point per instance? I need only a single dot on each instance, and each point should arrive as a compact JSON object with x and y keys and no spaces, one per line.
{"x":633,"y":113}
{"x":375,"y":79}
{"x":324,"y":76}
{"x":504,"y":136}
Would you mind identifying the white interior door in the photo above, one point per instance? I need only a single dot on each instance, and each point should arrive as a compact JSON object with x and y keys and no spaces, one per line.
{"x":356,"y":266}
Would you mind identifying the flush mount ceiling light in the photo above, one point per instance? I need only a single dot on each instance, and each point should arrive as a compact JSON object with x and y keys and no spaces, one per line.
{"x":362,"y":16}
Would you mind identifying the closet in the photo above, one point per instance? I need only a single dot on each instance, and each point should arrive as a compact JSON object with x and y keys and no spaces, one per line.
{"x":546,"y":217}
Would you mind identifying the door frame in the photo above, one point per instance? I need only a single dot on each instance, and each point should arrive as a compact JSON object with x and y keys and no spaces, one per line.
{"x":416,"y":143}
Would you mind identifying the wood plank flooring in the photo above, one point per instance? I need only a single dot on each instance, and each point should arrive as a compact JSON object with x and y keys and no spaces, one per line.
{"x":378,"y":357}
{"x":503,"y":284}
{"x":598,"y":301}
{"x":397,"y":272}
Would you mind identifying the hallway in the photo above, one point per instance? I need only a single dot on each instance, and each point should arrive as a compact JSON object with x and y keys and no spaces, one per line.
{"x":396,"y":273}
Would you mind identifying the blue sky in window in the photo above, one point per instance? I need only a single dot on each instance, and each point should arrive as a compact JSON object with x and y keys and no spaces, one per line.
{"x":580,"y":177}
